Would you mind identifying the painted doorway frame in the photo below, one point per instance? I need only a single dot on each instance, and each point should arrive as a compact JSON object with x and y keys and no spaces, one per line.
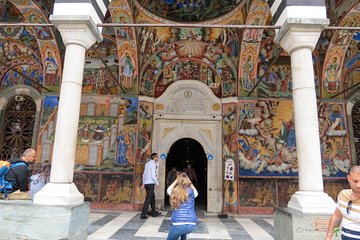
{"x":205,"y":128}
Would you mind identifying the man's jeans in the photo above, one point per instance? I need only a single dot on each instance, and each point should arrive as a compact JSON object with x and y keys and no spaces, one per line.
{"x":177,"y":231}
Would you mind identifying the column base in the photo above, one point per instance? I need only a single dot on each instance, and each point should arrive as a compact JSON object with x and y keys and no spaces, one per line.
{"x":312,"y":203}
{"x":59,"y":194}
{"x":24,"y":220}
{"x":293,"y":225}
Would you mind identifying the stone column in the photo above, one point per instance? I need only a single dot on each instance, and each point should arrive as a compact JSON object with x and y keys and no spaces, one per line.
{"x":78,"y":33}
{"x":299,"y":37}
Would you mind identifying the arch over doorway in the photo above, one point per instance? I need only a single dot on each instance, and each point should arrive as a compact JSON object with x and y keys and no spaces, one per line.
{"x":189,"y":109}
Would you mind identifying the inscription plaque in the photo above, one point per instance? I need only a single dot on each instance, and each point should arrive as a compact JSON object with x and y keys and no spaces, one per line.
{"x":186,"y":105}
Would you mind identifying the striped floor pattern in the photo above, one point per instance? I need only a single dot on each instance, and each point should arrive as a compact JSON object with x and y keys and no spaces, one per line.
{"x":128,"y":225}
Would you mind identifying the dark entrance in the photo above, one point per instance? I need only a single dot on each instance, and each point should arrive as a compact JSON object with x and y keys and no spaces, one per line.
{"x":187,"y":150}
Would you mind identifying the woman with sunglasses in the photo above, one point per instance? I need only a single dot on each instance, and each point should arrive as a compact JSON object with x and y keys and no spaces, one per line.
{"x":182,"y":199}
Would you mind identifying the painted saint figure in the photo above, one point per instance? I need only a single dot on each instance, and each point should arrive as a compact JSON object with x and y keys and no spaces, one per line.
{"x":331,"y":73}
{"x":127,"y":71}
{"x":121,"y":151}
{"x":247,"y":68}
{"x":51,"y":68}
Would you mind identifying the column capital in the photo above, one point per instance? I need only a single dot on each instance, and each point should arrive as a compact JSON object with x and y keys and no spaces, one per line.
{"x":80,"y":29}
{"x":300,"y":33}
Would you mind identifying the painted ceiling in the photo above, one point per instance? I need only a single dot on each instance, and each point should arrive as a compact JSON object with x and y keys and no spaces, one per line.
{"x":189,"y":10}
{"x":146,"y":60}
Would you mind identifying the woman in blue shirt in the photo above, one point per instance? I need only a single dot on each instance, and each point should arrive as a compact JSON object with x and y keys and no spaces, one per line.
{"x":182,"y":198}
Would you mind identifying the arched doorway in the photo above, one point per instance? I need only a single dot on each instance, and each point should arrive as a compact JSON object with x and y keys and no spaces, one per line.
{"x":190,"y":110}
{"x":182,"y":152}
{"x":17,"y":126}
{"x":355,"y":115}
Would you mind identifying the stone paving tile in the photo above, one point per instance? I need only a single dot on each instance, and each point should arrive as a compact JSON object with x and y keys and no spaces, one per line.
{"x":160,"y":226}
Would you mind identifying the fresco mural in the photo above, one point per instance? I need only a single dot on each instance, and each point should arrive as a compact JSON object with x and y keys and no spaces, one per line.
{"x":188,"y":10}
{"x":107,"y":132}
{"x":229,"y":131}
{"x":144,"y":136}
{"x":352,"y":65}
{"x":116,"y":188}
{"x":9,"y":12}
{"x":101,"y":69}
{"x":188,"y":60}
{"x":286,"y":188}
{"x":139,"y":194}
{"x":230,"y":192}
{"x":334,"y":141}
{"x":115,"y":128}
{"x":126,"y":46}
{"x":49,"y":106}
{"x":257,"y":193}
{"x":88,"y":185}
{"x":250,"y":47}
{"x":277,"y":80}
{"x":267,"y":144}
{"x":336,"y":53}
{"x":333,"y":188}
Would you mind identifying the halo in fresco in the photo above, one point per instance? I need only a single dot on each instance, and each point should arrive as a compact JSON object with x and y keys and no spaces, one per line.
{"x":189,"y":10}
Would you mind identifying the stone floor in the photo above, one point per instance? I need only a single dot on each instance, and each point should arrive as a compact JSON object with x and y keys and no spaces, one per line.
{"x":128,"y":225}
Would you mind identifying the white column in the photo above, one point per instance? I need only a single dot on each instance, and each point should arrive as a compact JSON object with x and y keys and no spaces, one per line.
{"x":78,"y":33}
{"x":299,"y":39}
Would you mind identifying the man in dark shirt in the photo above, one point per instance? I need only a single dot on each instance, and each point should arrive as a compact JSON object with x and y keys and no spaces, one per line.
{"x":19,"y":175}
{"x":171,"y":176}
{"x":190,"y":172}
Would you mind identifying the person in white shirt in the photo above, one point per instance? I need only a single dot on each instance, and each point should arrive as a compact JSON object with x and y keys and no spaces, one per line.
{"x":149,"y":182}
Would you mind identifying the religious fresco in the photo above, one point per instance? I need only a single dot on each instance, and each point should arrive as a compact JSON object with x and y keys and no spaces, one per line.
{"x":188,"y":60}
{"x":46,"y":5}
{"x":116,"y":188}
{"x":189,"y":10}
{"x":338,"y":9}
{"x":139,"y":194}
{"x":9,"y":12}
{"x":333,"y":188}
{"x":267,"y":144}
{"x":145,"y":125}
{"x":334,"y":139}
{"x":277,"y":80}
{"x":52,"y":66}
{"x":114,"y":138}
{"x":230,"y":192}
{"x":331,"y":71}
{"x":126,"y":44}
{"x":229,"y":131}
{"x":250,"y":47}
{"x":34,"y":45}
{"x":336,"y":53}
{"x":49,"y":106}
{"x":257,"y":193}
{"x":29,"y":75}
{"x":286,"y":188}
{"x":101,"y":69}
{"x":352,"y":65}
{"x":88,"y":185}
{"x":107,"y":132}
{"x":128,"y":67}
{"x":323,"y":44}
